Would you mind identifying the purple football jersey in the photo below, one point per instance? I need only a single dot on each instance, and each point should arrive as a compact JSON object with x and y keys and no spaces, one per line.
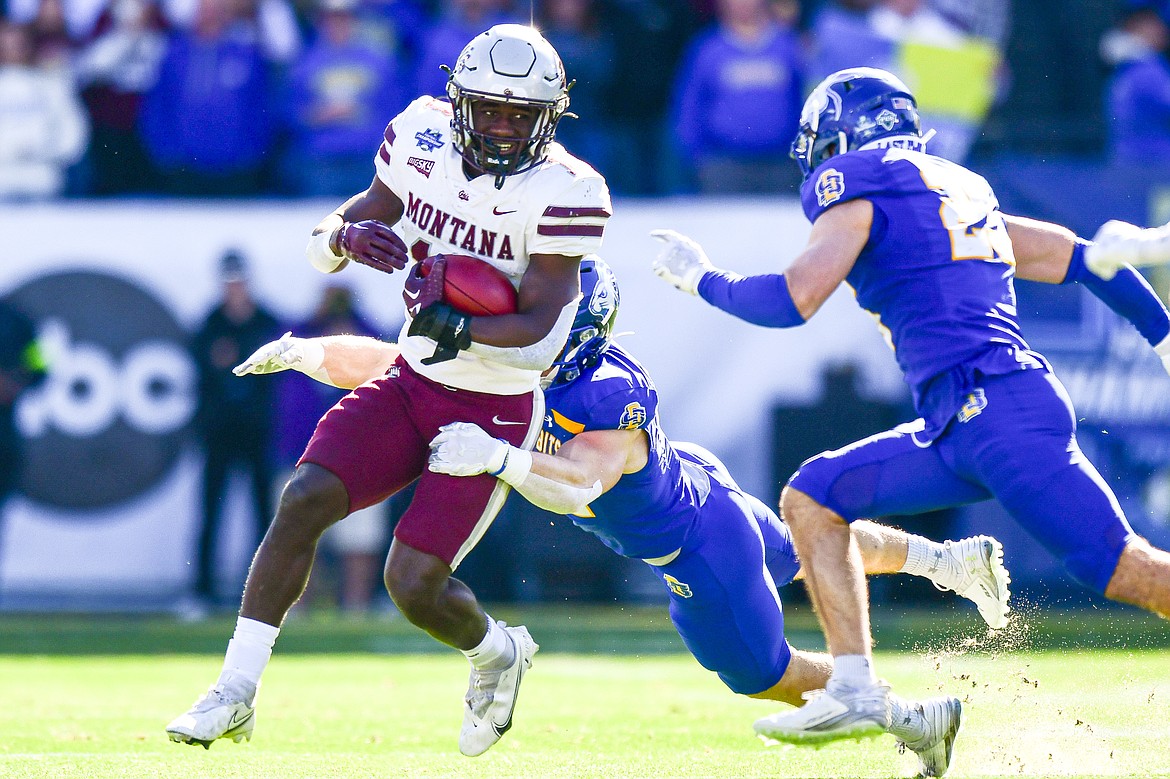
{"x":646,"y":514}
{"x":937,"y":272}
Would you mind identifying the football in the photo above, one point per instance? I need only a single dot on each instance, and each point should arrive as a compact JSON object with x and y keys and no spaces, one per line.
{"x":474,"y":287}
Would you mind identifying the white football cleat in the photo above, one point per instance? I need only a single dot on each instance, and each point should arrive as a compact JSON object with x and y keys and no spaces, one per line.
{"x":831,"y":715}
{"x":491,"y":696}
{"x":938,"y":727}
{"x":979,"y":575}
{"x":226,"y":710}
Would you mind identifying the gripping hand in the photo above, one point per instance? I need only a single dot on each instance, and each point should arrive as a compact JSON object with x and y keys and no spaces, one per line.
{"x":424,"y":284}
{"x":464,"y":449}
{"x":281,"y":355}
{"x":1115,"y":245}
{"x":372,"y":243}
{"x":449,"y":329}
{"x":682,"y":262}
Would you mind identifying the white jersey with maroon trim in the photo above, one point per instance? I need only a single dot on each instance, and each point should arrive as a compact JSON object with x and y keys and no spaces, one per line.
{"x":557,"y":207}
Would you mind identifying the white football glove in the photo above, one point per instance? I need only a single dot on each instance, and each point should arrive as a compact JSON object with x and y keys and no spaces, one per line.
{"x":300,"y":354}
{"x":682,"y":262}
{"x":464,"y":449}
{"x":1114,"y":246}
{"x":1117,"y":244}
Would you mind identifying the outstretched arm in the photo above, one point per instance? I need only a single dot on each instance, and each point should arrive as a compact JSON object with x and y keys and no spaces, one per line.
{"x":1049,"y":253}
{"x":344,"y":361}
{"x":584,"y":467}
{"x":774,"y":299}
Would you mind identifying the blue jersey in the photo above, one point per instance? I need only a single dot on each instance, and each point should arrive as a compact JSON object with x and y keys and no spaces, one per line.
{"x":937,"y":272}
{"x":646,"y":514}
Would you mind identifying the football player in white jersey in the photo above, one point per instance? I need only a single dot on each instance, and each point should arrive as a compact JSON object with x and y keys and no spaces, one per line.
{"x":478,"y":174}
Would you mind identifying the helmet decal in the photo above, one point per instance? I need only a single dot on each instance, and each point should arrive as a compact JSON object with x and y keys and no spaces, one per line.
{"x":852,"y":109}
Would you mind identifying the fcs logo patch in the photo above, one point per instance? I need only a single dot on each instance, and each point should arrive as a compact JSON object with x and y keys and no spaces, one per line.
{"x":973,"y":407}
{"x":422,"y":166}
{"x":633,"y":417}
{"x":678,"y":588}
{"x":428,"y":140}
{"x":830,"y":187}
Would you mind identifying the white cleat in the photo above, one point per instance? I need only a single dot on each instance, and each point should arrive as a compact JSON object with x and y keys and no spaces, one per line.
{"x":983,"y":578}
{"x":935,"y":739}
{"x":831,"y":715}
{"x":224,"y":711}
{"x":491,"y":697}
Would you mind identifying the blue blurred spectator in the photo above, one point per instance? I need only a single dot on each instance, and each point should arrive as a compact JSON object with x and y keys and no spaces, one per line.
{"x":952,"y":74}
{"x":71,"y":19}
{"x":43,"y":128}
{"x":1138,"y":96}
{"x":459,"y":21}
{"x":395,"y":26}
{"x":342,"y":93}
{"x":650,"y":37}
{"x":739,"y":99}
{"x":116,"y":67}
{"x":207,"y":124}
{"x":587,"y":49}
{"x":840,"y":36}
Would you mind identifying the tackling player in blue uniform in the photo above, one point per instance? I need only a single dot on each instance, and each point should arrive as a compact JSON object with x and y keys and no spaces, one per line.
{"x":924,"y":246}
{"x":603,"y":458}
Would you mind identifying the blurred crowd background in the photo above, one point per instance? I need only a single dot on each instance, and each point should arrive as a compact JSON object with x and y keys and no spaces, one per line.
{"x":287,"y":98}
{"x":1064,"y":105}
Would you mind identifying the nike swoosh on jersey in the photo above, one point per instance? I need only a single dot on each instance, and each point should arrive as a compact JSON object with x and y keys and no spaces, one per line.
{"x":497,"y":421}
{"x":498,"y":212}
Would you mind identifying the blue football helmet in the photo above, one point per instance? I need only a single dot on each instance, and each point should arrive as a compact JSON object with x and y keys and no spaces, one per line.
{"x":592,"y":330}
{"x":852,"y":109}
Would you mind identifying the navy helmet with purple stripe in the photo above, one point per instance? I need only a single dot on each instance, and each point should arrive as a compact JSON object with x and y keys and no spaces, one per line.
{"x":853,"y":109}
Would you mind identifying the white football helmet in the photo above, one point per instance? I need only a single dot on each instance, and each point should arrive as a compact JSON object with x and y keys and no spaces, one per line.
{"x":510,"y":63}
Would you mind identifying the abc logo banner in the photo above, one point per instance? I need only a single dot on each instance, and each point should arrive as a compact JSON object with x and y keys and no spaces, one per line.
{"x":121,"y":392}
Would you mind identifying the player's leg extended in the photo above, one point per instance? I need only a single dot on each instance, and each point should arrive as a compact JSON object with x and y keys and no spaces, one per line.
{"x":1025,"y":449}
{"x":886,"y":474}
{"x":359,"y":453}
{"x":972,"y":567}
{"x":725,"y":610}
{"x":444,"y":522}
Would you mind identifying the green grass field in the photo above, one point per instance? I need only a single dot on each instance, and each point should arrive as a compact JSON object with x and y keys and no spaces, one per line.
{"x":633,"y":707}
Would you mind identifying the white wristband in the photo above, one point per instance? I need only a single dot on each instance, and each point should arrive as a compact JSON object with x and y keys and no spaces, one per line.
{"x":517,"y":464}
{"x":321,"y":255}
{"x":313,"y":360}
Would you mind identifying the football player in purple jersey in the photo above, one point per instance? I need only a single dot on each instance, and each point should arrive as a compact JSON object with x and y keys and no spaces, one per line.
{"x":927,"y":251}
{"x":603,"y":459}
